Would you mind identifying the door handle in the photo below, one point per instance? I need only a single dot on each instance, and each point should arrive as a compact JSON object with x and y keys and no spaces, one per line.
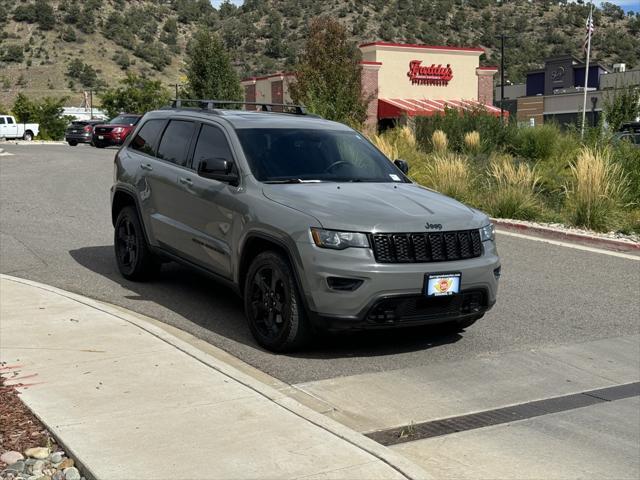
{"x":185,"y":181}
{"x":146,"y":166}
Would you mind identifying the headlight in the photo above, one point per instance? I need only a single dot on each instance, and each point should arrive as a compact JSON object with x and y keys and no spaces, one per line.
{"x":118,"y":130}
{"x":339,"y":240}
{"x":488,"y":233}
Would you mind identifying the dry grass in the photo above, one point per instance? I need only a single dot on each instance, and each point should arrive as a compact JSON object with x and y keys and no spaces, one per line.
{"x":513,"y":189}
{"x":597,"y":189}
{"x":472,"y":141}
{"x":447,"y":173}
{"x":439,"y":141}
{"x":385,"y":145}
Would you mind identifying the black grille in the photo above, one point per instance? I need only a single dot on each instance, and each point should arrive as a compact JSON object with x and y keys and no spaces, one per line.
{"x":426,"y":247}
{"x":103,"y":129}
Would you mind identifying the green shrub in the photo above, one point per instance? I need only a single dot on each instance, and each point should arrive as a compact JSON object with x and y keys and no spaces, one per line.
{"x":536,"y":143}
{"x":457,"y":123}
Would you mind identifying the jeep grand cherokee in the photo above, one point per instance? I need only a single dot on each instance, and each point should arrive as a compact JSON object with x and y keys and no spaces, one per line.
{"x":304,"y":218}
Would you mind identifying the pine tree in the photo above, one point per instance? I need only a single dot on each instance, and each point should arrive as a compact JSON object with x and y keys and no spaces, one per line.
{"x":209,"y":70}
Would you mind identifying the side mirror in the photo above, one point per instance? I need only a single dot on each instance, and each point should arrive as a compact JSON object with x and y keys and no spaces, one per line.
{"x":218,"y":169}
{"x":402,"y":166}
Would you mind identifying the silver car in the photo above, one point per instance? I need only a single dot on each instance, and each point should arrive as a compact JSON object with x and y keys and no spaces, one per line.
{"x":304,"y":218}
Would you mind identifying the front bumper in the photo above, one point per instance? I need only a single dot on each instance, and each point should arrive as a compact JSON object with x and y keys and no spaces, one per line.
{"x":108,"y":139}
{"x":392,"y":294}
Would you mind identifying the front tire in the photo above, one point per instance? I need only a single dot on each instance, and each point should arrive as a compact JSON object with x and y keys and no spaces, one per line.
{"x":73,"y":143}
{"x":272,"y":304}
{"x":134,"y":258}
{"x":99,"y":145}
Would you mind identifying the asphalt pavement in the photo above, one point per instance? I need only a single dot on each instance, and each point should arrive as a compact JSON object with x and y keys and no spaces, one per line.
{"x":55,"y":228}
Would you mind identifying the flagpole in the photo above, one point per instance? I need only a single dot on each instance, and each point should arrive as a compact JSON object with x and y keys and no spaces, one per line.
{"x":586,"y":71}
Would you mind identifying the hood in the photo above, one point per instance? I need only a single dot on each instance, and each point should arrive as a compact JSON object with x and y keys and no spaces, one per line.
{"x":377,"y":207}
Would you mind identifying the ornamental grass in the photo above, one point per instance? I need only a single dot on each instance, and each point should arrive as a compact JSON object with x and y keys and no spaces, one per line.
{"x":596,"y":191}
{"x":512,"y":189}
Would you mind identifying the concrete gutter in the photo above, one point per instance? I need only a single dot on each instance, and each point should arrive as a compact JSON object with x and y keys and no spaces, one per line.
{"x":243,"y":425}
{"x":567,"y":236}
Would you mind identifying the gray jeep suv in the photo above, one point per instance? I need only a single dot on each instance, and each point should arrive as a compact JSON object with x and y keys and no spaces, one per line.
{"x":303,"y":217}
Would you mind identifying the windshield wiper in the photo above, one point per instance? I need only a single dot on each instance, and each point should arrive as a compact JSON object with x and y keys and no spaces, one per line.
{"x":292,"y":180}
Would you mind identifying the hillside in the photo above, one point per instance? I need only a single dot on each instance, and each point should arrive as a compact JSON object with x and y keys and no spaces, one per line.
{"x":39,"y":39}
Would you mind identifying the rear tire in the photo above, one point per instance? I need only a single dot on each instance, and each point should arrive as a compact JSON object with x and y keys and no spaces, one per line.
{"x":72,"y":143}
{"x":28,"y":136}
{"x":273,"y":305}
{"x":134,"y":258}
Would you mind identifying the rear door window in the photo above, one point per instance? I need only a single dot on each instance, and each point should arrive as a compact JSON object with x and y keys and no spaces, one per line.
{"x":174,"y":146}
{"x":9,"y":120}
{"x":146,"y":140}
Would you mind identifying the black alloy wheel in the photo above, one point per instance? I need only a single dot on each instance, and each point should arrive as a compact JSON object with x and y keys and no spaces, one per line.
{"x":134,"y":258}
{"x":272,"y":304}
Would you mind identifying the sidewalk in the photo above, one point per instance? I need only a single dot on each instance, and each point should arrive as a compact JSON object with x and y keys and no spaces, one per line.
{"x":129,"y":400}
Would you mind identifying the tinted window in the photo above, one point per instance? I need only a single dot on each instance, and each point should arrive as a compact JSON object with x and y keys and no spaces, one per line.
{"x":1,"y":120}
{"x":211,"y":144}
{"x":146,"y":141}
{"x":324,"y":155}
{"x":175,"y":142}
{"x":9,"y":120}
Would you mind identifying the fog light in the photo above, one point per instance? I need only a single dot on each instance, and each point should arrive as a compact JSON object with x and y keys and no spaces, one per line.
{"x":496,"y":273}
{"x":344,"y":284}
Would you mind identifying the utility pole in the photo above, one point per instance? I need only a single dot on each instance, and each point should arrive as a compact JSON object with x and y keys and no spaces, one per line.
{"x":177,"y":85}
{"x":502,"y":38}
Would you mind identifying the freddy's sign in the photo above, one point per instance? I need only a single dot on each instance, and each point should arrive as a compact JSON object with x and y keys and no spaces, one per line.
{"x":432,"y":75}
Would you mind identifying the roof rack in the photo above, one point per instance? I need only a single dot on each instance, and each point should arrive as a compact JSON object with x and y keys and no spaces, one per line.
{"x":206,"y":104}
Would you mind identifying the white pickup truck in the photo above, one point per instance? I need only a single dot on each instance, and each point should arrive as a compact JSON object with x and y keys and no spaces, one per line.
{"x":9,"y":128}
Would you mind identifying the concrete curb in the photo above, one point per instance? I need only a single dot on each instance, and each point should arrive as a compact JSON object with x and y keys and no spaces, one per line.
{"x":568,"y":236}
{"x":384,"y":454}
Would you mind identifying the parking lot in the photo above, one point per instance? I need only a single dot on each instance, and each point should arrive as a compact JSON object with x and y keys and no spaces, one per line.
{"x":566,"y":322}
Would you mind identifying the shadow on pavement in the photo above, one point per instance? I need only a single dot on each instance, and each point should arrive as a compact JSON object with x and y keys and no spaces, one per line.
{"x":217,"y":308}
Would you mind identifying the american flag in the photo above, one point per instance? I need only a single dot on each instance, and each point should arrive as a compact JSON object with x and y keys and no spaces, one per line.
{"x":588,"y":33}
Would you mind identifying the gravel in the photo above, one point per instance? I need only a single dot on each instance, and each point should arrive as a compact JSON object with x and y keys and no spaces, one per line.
{"x":27,"y":450}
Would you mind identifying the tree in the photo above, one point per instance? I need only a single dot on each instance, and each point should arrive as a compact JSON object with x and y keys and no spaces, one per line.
{"x":209,"y":70}
{"x":134,"y":95}
{"x":47,"y":112}
{"x":622,"y":106}
{"x":328,"y":78}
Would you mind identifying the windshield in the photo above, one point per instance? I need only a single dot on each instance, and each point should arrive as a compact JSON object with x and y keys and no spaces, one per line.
{"x":124,"y":120}
{"x":295,"y":155}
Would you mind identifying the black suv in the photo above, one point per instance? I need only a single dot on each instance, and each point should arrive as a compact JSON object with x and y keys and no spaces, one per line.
{"x":80,"y":131}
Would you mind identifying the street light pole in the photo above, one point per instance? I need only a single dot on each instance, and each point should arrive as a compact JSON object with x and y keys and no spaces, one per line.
{"x":502,"y":38}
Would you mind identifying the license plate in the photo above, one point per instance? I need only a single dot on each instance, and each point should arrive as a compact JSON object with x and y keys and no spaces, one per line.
{"x":100,"y":137}
{"x":441,"y":284}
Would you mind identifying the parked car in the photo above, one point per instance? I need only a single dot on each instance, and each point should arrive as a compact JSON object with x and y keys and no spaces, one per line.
{"x":80,"y":131}
{"x":115,"y":131}
{"x":629,"y":132}
{"x":9,"y":128}
{"x":304,"y":218}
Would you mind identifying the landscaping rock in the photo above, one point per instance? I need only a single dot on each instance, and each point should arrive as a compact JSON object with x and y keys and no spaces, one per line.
{"x":37,"y":467}
{"x":71,"y":473}
{"x":56,"y":457}
{"x":11,"y":457}
{"x":37,"y":452}
{"x":58,"y":476}
{"x":17,"y":467}
{"x":66,"y":463}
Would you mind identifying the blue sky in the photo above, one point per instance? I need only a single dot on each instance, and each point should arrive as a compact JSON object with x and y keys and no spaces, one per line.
{"x":625,"y":4}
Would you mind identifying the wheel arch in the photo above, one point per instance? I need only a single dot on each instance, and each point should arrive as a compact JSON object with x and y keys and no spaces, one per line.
{"x":258,"y":242}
